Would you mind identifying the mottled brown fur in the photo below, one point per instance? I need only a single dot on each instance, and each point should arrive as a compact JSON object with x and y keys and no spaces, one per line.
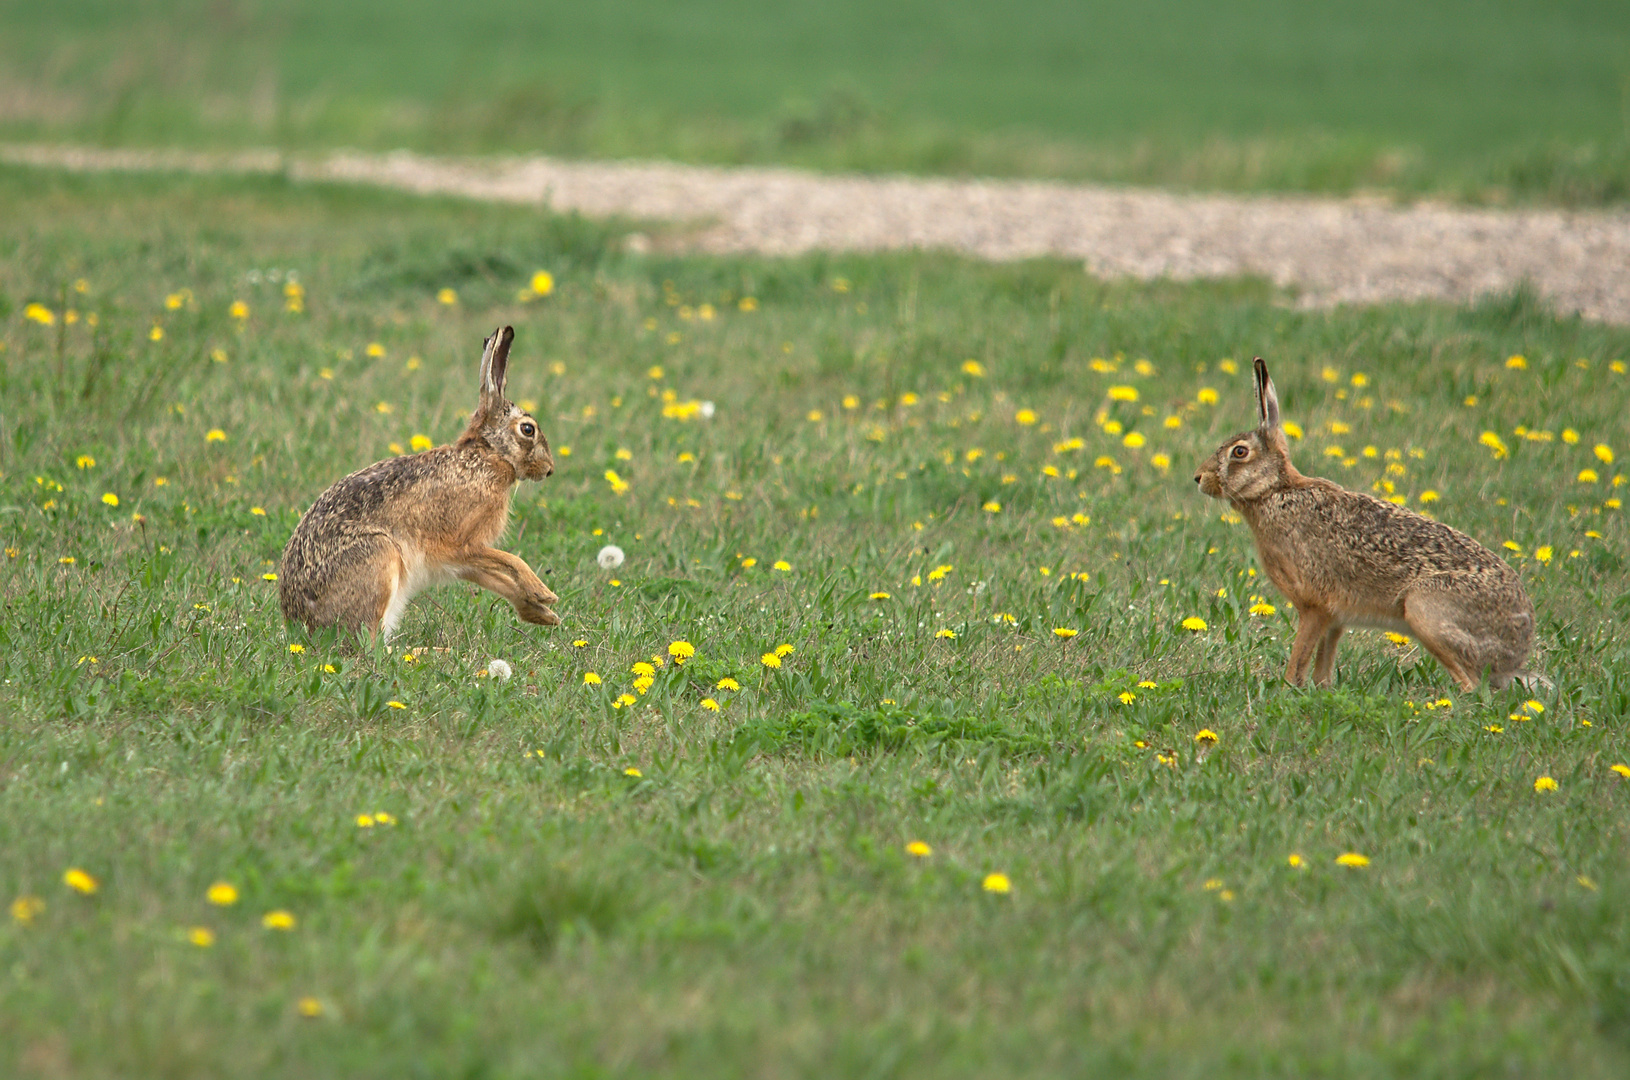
{"x":379,"y":535}
{"x":1344,"y":558}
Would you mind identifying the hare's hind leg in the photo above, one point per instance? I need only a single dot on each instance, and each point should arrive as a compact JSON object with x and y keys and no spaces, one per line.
{"x":364,"y":587}
{"x":1434,"y":620}
{"x":509,"y":577}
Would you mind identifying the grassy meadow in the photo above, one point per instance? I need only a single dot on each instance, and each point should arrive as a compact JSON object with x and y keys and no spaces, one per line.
{"x":951,"y":501}
{"x":1486,"y":102}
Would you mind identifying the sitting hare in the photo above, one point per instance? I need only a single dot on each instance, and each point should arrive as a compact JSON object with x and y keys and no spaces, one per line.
{"x":1344,"y":558}
{"x":378,"y":536}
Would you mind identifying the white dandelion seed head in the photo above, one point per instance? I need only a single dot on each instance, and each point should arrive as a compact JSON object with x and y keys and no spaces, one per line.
{"x":610,"y":557}
{"x":499,"y":670}
{"x":706,"y":410}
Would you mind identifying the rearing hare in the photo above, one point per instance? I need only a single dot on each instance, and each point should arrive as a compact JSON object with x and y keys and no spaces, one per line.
{"x":378,"y":536}
{"x":1344,"y":558}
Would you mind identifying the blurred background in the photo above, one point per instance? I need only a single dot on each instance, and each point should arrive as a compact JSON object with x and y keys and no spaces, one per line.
{"x":1477,"y":100}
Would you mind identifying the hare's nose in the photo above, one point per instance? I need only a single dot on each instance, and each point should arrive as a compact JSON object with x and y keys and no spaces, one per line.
{"x":1196,"y":478}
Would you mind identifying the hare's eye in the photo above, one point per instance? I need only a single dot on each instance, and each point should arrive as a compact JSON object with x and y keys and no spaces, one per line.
{"x":528,"y":429}
{"x":1241,"y":451}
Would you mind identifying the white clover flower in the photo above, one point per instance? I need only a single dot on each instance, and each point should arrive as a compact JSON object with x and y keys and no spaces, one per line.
{"x":499,"y":670}
{"x":610,"y":557}
{"x":706,"y":410}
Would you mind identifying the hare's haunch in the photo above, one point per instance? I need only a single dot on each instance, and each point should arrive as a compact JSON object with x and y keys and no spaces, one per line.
{"x":378,"y":536}
{"x":1343,"y":558}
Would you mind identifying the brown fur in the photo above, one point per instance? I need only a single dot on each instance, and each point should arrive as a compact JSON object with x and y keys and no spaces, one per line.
{"x":379,"y":535}
{"x":1343,"y":558}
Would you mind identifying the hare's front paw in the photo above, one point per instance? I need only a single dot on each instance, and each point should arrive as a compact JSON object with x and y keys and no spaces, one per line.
{"x":536,"y":611}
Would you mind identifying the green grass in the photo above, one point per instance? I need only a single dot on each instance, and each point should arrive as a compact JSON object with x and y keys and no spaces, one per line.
{"x":746,"y":906}
{"x":1478,"y":101}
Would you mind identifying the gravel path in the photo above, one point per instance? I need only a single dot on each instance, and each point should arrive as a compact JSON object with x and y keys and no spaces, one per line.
{"x":1331,"y":250}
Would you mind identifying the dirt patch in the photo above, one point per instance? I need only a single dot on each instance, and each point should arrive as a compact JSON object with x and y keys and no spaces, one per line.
{"x":1331,"y":251}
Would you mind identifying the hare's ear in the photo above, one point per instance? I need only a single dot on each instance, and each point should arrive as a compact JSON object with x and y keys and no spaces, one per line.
{"x":495,"y":365}
{"x":1267,"y":399}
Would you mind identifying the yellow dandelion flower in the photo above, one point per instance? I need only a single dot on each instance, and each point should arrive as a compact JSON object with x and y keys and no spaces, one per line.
{"x":997,"y":883}
{"x":710,"y":705}
{"x":420,"y":443}
{"x":25,"y":909}
{"x":1544,"y":783}
{"x":946,"y":634}
{"x":784,"y":649}
{"x":278,"y":920}
{"x":395,"y":705}
{"x":222,"y":894}
{"x":879,"y":596}
{"x":727,"y":683}
{"x":770,"y":660}
{"x":447,"y":296}
{"x":1025,"y":416}
{"x":591,"y":679}
{"x":309,"y":1007}
{"x":747,"y":303}
{"x":973,"y":368}
{"x":1353,"y":859}
{"x":1623,"y":770}
{"x":992,"y":507}
{"x":365,"y":821}
{"x":1296,"y":862}
{"x":782,"y":565}
{"x":1127,"y":697}
{"x":1206,"y":396}
{"x":40,"y":313}
{"x":1194,"y":623}
{"x":1517,"y":363}
{"x":80,"y":882}
{"x":632,"y":771}
{"x":215,"y":435}
{"x":1604,"y":453}
{"x":1206,"y":737}
{"x":1494,"y":443}
{"x":1064,"y":632}
{"x":201,"y":936}
{"x":543,"y":283}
